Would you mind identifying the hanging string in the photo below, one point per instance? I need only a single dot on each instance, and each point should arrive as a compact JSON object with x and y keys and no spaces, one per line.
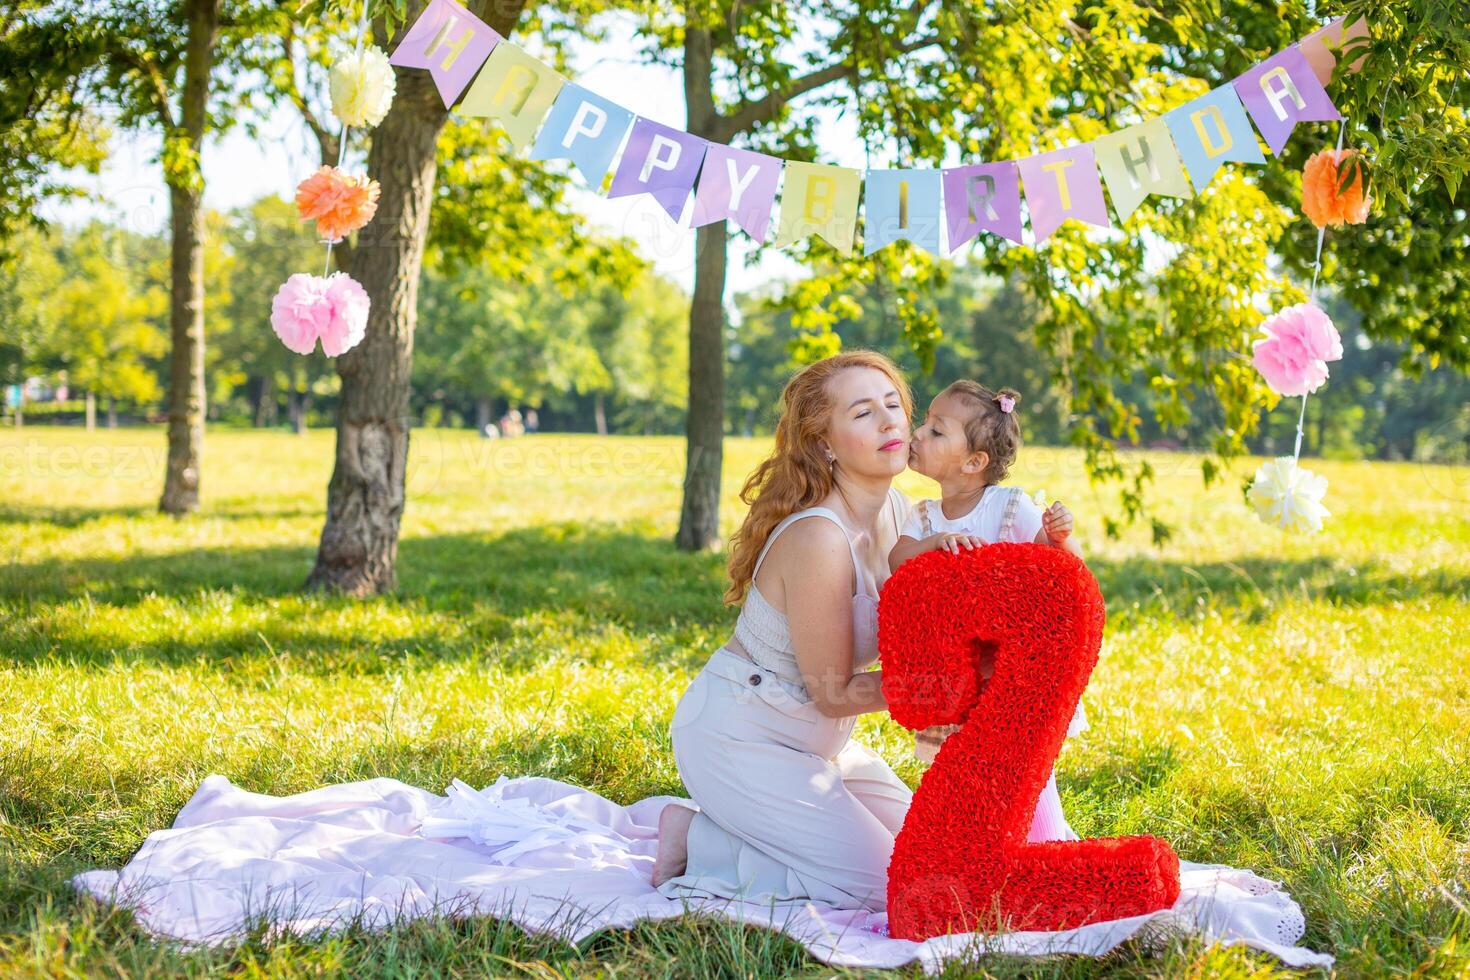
{"x":1301,"y":421}
{"x":362,"y":22}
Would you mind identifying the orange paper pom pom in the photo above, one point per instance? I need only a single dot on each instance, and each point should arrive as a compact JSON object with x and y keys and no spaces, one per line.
{"x":1324,"y":198}
{"x":339,"y":203}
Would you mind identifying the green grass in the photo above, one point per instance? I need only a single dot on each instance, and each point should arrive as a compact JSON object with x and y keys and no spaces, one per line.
{"x":1294,"y":705}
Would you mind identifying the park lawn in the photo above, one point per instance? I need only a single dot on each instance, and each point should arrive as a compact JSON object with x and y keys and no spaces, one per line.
{"x":1294,"y":705}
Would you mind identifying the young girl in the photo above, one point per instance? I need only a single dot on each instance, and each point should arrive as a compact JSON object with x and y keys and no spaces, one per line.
{"x":967,"y":444}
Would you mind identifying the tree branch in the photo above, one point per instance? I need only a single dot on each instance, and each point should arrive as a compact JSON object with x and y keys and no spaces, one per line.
{"x":326,"y":140}
{"x":754,"y":111}
{"x":155,"y":80}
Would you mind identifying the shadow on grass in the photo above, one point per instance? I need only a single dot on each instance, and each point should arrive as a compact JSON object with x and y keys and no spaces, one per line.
{"x":461,"y":592}
{"x":1252,"y":586}
{"x":515,"y":593}
{"x":68,"y":517}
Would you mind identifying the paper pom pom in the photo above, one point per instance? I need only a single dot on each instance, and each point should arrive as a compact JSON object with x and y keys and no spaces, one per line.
{"x":962,"y":853}
{"x":348,"y":323}
{"x":362,"y":87}
{"x":299,"y":311}
{"x":1288,"y":496}
{"x":308,"y":308}
{"x":1324,"y":199}
{"x":1293,"y":355}
{"x":341,"y":204}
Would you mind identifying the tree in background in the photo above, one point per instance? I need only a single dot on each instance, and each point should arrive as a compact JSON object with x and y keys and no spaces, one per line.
{"x":32,"y":274}
{"x":553,"y":330}
{"x":90,"y":307}
{"x":153,"y":64}
{"x":108,"y":318}
{"x":989,"y":336}
{"x":1408,"y":109}
{"x":642,"y":337}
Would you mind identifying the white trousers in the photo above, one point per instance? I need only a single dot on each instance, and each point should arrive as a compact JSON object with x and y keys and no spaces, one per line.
{"x":790,"y":808}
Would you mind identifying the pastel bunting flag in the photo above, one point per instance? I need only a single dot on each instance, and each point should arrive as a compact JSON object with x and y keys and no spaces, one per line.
{"x":901,"y":204}
{"x":1139,"y":161}
{"x":659,"y":161}
{"x":1322,"y":47}
{"x":739,"y":185}
{"x":820,"y":200}
{"x":1063,"y":184}
{"x":982,"y":197}
{"x":585,"y":129}
{"x":450,"y":42}
{"x":1212,"y":130}
{"x":514,"y":88}
{"x":1281,"y":92}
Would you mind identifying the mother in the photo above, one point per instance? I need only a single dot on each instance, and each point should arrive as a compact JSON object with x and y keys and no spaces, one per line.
{"x":789,"y":807}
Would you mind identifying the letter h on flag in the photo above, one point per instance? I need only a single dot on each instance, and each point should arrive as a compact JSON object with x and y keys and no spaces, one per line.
{"x":450,"y":42}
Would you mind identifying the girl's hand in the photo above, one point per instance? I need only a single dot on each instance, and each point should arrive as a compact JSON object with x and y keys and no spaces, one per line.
{"x":1057,"y":523}
{"x":953,"y":541}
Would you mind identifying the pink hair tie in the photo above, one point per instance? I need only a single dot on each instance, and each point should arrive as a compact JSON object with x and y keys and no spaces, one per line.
{"x":1006,"y":403}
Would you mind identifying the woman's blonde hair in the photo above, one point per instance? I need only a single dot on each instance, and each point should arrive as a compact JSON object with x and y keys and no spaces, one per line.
{"x":796,"y":475}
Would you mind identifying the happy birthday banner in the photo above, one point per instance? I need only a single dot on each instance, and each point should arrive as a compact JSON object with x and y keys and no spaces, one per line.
{"x":1174,"y":155}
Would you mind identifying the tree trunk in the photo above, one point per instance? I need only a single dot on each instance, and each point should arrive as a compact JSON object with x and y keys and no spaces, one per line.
{"x":112,"y":413}
{"x":482,"y":414}
{"x":599,"y":413}
{"x":300,"y":403}
{"x":186,"y":357}
{"x":186,"y":308}
{"x":699,"y":522}
{"x":699,"y":518}
{"x":265,"y":401}
{"x":359,"y":542}
{"x":91,"y":411}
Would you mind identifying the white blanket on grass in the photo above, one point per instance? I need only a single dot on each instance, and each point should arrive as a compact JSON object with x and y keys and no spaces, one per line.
{"x":553,"y":857}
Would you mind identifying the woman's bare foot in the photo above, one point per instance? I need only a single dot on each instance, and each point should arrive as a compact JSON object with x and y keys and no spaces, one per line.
{"x":673,"y":843}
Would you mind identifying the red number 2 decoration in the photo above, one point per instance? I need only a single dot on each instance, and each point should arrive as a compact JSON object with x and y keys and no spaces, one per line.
{"x":961,"y":862}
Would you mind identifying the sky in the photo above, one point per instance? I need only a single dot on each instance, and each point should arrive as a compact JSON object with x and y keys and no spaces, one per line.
{"x":240,"y":169}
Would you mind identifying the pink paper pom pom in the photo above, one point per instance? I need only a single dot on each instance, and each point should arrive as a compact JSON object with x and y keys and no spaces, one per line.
{"x":307,"y":308}
{"x":299,"y":311}
{"x":348,"y":324}
{"x":1293,"y":355}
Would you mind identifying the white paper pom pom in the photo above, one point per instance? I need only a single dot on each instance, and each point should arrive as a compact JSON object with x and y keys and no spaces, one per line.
{"x":1288,"y":496}
{"x":362,"y":87}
